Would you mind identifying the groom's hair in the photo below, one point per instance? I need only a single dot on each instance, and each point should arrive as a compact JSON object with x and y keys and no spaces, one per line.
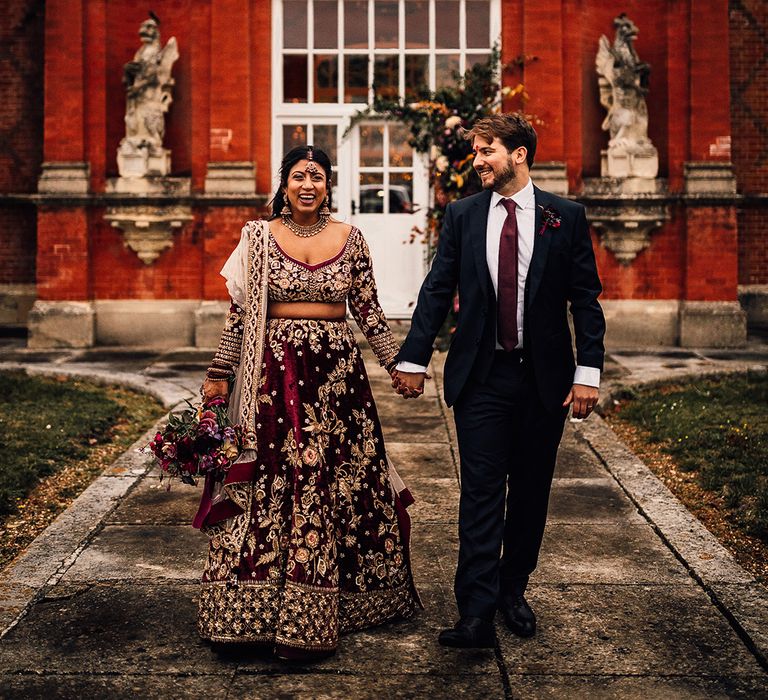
{"x":513,"y":130}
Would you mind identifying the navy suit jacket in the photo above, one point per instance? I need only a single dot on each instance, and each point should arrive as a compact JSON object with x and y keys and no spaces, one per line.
{"x":562,"y":271}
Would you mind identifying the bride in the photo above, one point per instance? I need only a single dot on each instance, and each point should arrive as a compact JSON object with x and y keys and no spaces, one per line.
{"x":308,"y":533}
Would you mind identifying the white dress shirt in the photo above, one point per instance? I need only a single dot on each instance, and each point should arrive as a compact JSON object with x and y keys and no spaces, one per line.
{"x":525,"y":209}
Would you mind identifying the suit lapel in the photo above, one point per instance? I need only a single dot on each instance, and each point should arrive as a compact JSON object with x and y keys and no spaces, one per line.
{"x":541,"y":243}
{"x":478,"y":225}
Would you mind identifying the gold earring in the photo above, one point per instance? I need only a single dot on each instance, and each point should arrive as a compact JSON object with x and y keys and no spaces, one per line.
{"x":324,"y":210}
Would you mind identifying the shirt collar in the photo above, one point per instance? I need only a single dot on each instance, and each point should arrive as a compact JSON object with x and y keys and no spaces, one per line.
{"x":523,"y":198}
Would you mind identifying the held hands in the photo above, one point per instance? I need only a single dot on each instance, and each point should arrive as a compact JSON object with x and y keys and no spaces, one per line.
{"x":584,"y":399}
{"x":214,"y":387}
{"x":410,"y":385}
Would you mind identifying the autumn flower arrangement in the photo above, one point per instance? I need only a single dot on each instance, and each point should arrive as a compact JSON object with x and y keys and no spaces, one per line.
{"x":196,"y":442}
{"x":437,"y":121}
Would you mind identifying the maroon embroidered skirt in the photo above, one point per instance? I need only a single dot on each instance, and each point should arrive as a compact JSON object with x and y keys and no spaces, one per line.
{"x":311,"y":540}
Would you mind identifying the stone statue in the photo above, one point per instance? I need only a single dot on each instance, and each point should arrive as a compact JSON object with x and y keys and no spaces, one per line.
{"x":623,"y":81}
{"x":148,"y":82}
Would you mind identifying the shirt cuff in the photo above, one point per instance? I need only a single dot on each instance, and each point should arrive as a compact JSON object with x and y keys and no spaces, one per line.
{"x":410,"y":367}
{"x":588,"y":376}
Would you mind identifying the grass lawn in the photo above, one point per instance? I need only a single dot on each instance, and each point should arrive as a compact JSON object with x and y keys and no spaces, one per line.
{"x":56,"y":436}
{"x":708,"y":441}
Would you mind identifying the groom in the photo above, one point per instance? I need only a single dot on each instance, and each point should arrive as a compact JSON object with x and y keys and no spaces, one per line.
{"x":519,"y":257}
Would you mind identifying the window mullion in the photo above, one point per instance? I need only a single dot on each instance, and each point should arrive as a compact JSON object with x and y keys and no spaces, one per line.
{"x":371,"y":43}
{"x":310,"y":51}
{"x":462,"y":36}
{"x":340,"y":48}
{"x":432,"y":42}
{"x":401,"y":47}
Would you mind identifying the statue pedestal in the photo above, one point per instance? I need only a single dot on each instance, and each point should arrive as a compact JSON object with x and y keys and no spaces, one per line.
{"x":148,"y":228}
{"x":142,"y":161}
{"x":622,"y":162}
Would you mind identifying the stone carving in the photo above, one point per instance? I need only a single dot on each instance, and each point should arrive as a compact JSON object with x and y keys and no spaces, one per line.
{"x":623,"y":81}
{"x":143,"y":163}
{"x":148,"y":82}
{"x":148,"y":230}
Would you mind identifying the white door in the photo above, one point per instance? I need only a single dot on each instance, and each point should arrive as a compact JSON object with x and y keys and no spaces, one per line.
{"x":389,"y":198}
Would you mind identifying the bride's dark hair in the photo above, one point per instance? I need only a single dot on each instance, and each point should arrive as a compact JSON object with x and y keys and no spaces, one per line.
{"x":289,"y":160}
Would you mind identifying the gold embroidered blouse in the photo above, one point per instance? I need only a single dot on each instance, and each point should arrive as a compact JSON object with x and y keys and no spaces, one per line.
{"x":346,"y":276}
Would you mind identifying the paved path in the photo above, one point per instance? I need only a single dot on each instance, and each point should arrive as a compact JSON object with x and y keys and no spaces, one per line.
{"x":633,"y":599}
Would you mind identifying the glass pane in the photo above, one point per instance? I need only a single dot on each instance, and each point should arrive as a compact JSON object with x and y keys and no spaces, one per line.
{"x":385,"y":76}
{"x":400,"y":193}
{"x":371,"y":145}
{"x":478,"y":24}
{"x":371,"y":193}
{"x":326,"y":24}
{"x":355,"y":78}
{"x":417,"y":25}
{"x":445,"y":66}
{"x":356,"y":24}
{"x":334,"y":191}
{"x":416,"y":75}
{"x":400,"y":151}
{"x":294,"y":135}
{"x":474,"y":59}
{"x":385,"y":24}
{"x":326,"y":78}
{"x":324,"y":137}
{"x":294,"y":24}
{"x":447,"y":24}
{"x":294,"y":78}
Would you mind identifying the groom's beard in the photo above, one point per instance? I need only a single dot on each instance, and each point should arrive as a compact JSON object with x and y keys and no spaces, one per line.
{"x":501,"y":178}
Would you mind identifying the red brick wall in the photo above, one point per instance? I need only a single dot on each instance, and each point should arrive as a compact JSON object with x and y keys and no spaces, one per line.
{"x":749,"y":130}
{"x":21,"y":130}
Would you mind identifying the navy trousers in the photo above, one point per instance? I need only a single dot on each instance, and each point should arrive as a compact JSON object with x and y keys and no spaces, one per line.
{"x":507,"y":445}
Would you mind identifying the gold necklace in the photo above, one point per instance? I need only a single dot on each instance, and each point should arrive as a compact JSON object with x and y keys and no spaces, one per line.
{"x":305,"y":231}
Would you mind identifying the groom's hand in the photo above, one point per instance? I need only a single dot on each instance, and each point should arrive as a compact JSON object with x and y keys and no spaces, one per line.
{"x":584,"y":399}
{"x":409,"y":385}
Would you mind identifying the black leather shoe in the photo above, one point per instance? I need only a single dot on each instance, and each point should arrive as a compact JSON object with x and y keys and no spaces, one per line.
{"x":469,"y":633}
{"x":518,"y":615}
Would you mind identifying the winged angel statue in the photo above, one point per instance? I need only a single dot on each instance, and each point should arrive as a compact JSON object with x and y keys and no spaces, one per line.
{"x":623,"y":81}
{"x":148,"y":82}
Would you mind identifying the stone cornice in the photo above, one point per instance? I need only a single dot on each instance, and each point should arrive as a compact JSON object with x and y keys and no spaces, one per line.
{"x":113,"y":199}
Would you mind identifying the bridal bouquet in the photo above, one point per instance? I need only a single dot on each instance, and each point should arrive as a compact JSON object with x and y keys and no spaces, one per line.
{"x":197,"y":442}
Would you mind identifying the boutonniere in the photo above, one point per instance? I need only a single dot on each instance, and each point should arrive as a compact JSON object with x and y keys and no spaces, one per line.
{"x":550,"y":218}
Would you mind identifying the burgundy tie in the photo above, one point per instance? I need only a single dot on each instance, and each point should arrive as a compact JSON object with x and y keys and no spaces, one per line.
{"x":507,"y":294}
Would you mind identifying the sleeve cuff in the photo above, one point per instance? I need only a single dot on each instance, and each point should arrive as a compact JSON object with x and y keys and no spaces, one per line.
{"x":409,"y":367}
{"x":588,"y":376}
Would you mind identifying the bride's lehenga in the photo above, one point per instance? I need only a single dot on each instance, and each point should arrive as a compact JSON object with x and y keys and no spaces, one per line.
{"x":308,"y":536}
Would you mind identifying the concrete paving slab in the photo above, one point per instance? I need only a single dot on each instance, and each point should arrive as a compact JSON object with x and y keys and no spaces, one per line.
{"x":49,"y":552}
{"x":364,"y":687}
{"x":633,"y":687}
{"x":590,"y":500}
{"x":748,"y":603}
{"x":392,"y":404}
{"x":422,"y":459}
{"x":622,"y":630}
{"x":606,"y":553}
{"x":683,"y":532}
{"x":125,"y":552}
{"x":152,"y":502}
{"x":113,"y":628}
{"x":575,"y":460}
{"x":437,"y":500}
{"x":404,"y":428}
{"x":122,"y":687}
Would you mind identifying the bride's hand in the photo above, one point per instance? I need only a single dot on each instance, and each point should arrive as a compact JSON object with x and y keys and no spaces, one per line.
{"x":214,"y":387}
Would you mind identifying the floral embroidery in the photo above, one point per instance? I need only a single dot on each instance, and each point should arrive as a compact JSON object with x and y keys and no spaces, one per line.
{"x":322,"y":552}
